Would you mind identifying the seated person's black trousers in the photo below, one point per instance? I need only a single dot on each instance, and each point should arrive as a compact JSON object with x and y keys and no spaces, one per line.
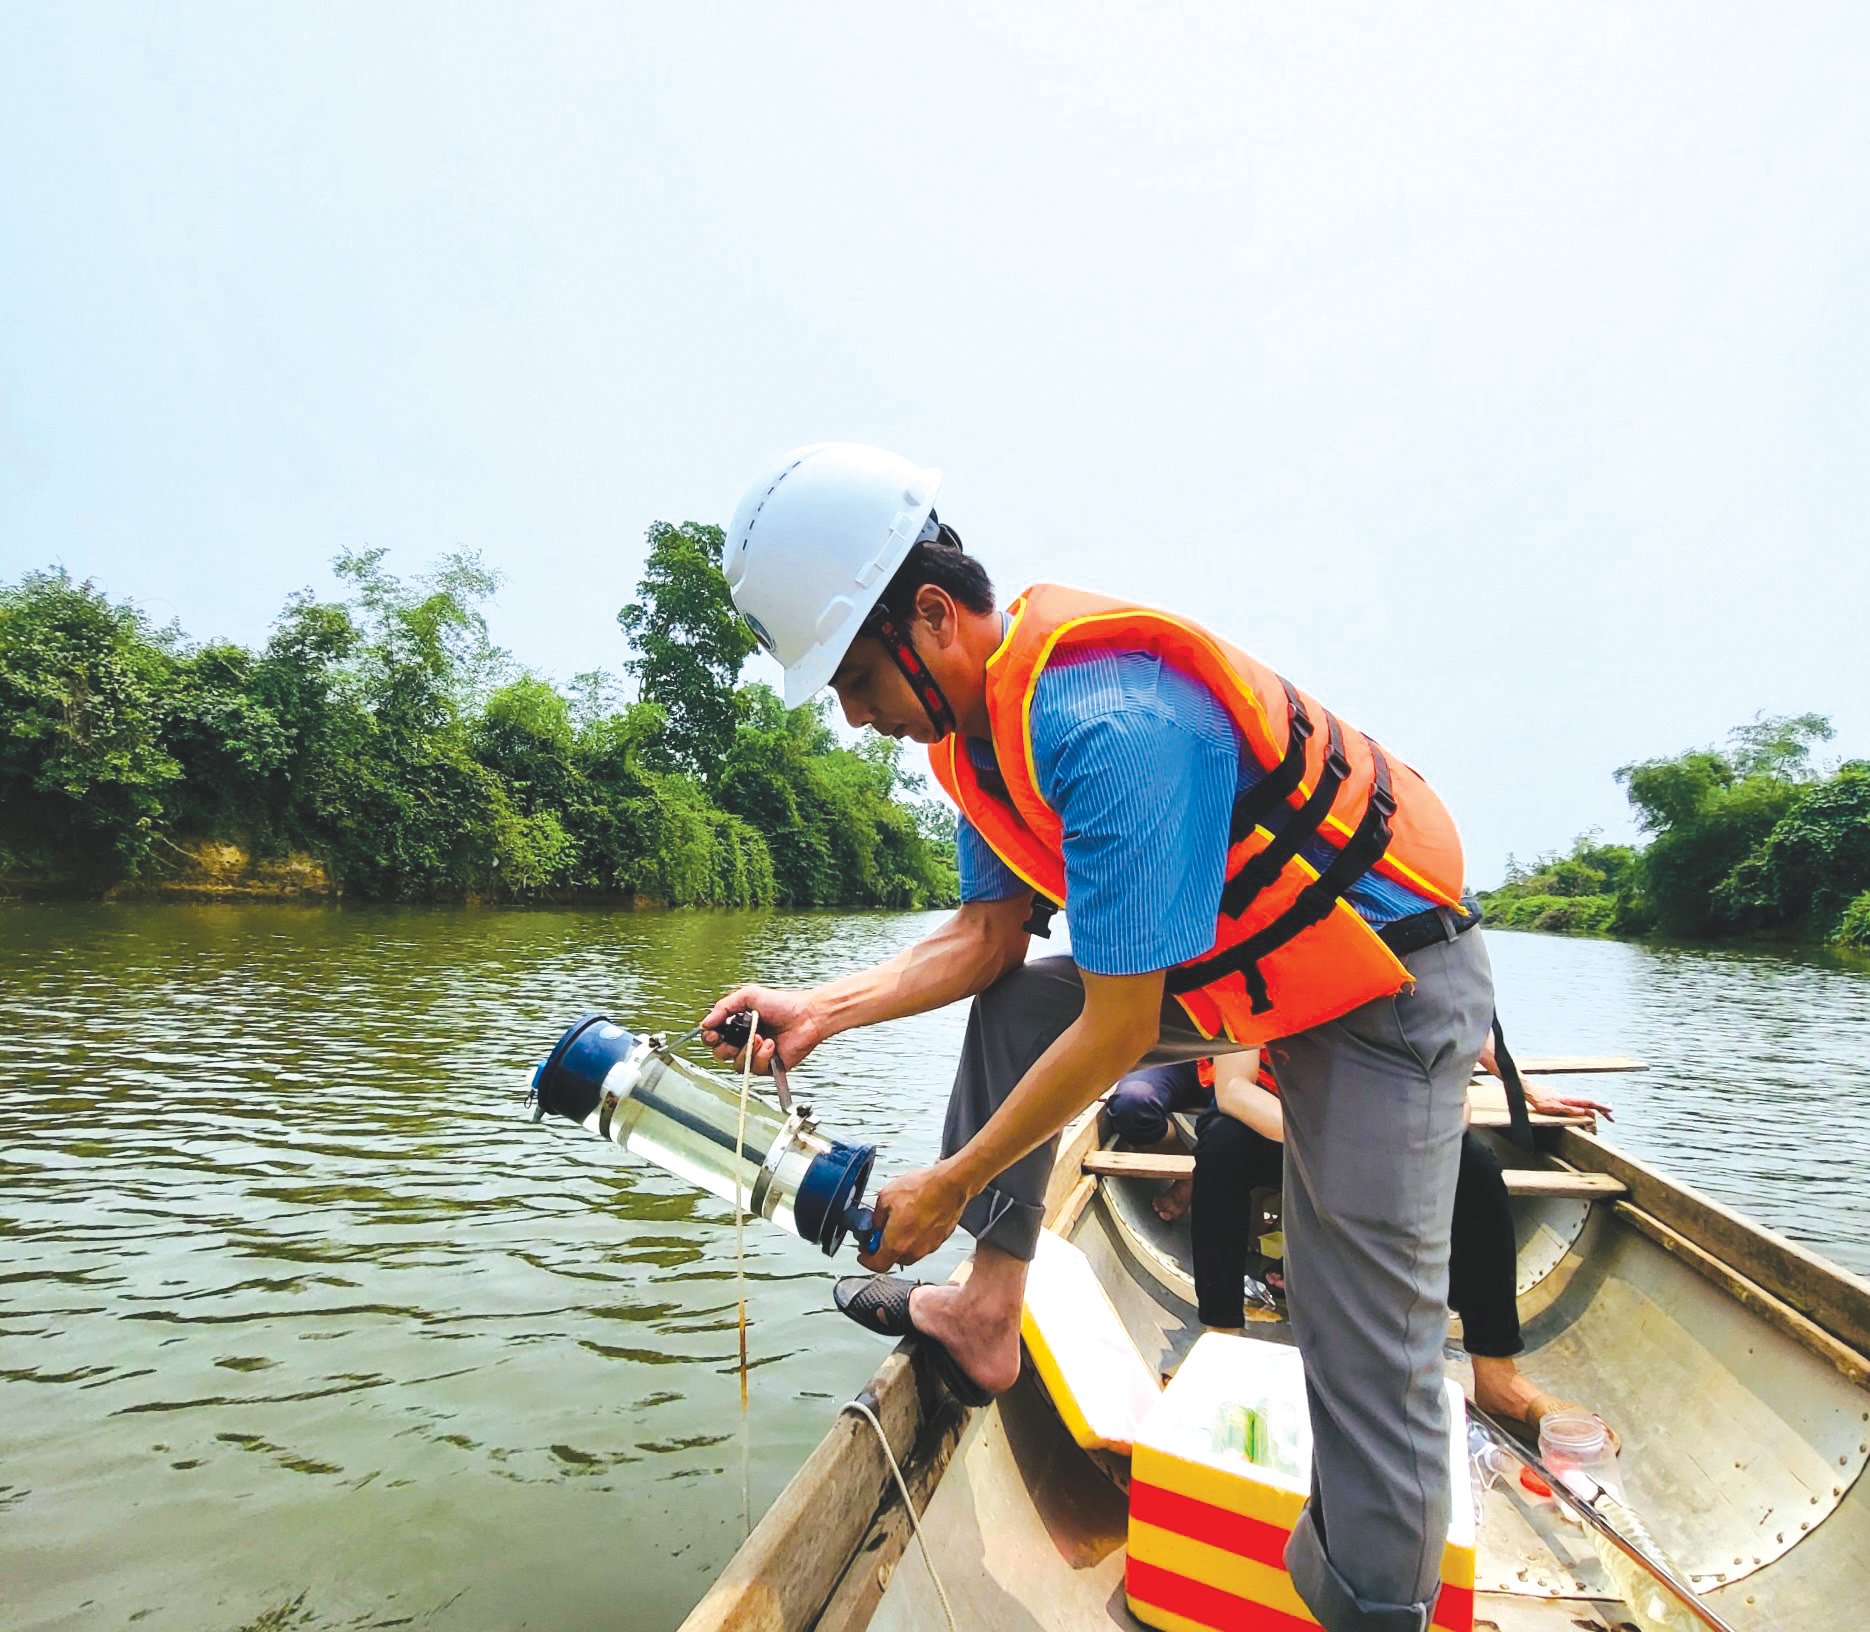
{"x":1232,"y":1161}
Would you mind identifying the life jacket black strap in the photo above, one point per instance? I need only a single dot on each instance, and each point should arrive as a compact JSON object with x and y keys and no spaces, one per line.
{"x":1313,"y":904}
{"x":1301,"y":825}
{"x":1039,"y":919}
{"x":1519,"y":1120}
{"x":895,"y":640}
{"x":1258,"y":802}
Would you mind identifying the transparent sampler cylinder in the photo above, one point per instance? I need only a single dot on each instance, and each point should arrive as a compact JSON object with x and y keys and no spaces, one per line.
{"x":632,"y":1091}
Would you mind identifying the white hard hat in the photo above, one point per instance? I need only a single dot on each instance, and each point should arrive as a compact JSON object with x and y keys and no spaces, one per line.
{"x":813,"y":546}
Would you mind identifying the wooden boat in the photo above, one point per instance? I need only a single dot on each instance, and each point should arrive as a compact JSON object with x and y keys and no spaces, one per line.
{"x":1735,"y":1363}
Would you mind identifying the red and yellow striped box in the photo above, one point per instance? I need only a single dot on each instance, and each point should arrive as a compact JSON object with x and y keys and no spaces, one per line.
{"x":1208,"y":1529}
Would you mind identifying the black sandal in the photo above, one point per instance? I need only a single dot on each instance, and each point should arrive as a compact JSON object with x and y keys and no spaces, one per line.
{"x":880,"y":1303}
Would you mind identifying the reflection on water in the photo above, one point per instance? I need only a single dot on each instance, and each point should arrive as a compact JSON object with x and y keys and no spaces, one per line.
{"x":300,"y":1319}
{"x":1758,"y":1087}
{"x":302,"y":1325}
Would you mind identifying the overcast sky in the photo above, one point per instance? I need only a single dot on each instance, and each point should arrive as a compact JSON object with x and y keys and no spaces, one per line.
{"x":1498,"y":373}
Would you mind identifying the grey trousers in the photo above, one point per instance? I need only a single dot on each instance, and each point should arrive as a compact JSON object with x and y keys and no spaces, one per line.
{"x":1373,"y":1107}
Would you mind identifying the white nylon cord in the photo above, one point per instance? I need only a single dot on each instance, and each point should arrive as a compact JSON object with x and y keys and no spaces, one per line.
{"x":740,"y":1293}
{"x":915,"y":1519}
{"x":740,"y":1279}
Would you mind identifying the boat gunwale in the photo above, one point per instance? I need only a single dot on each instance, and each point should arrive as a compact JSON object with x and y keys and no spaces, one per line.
{"x":1796,"y":1280}
{"x":760,"y":1587}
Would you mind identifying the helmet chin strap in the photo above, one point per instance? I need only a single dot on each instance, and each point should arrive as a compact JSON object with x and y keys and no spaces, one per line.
{"x":895,"y":638}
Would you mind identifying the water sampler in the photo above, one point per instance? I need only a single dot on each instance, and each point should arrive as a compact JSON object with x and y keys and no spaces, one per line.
{"x":636,"y":1092}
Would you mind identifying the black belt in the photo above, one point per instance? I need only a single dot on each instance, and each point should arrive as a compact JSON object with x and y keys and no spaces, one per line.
{"x":1422,"y":929}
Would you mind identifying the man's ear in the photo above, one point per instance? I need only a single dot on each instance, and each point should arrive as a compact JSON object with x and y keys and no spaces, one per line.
{"x":936,"y":608}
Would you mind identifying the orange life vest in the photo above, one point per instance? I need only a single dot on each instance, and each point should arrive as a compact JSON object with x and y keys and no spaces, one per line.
{"x":1289,"y":952}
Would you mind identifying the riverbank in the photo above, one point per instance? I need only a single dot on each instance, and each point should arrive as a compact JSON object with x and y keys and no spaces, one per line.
{"x":1591,"y":918}
{"x":222,"y":871}
{"x":203,"y":870}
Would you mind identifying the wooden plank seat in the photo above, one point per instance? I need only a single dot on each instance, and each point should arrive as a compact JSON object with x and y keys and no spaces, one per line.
{"x":1520,"y":1181}
{"x":1561,"y":1064}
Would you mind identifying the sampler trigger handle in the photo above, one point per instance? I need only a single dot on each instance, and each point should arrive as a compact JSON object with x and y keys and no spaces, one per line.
{"x":863,"y":1225}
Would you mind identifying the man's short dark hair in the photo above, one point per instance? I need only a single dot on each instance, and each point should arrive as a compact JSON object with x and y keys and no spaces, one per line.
{"x":947,"y":566}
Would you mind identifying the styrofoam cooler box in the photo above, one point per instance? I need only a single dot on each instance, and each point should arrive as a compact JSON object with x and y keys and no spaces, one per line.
{"x":1208,"y":1528}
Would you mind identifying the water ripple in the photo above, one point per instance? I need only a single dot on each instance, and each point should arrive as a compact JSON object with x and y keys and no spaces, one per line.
{"x":259,"y":1163}
{"x":274,"y":1242}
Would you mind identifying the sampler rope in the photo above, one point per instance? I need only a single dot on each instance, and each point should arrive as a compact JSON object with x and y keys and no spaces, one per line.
{"x":740,"y":1279}
{"x":915,"y":1519}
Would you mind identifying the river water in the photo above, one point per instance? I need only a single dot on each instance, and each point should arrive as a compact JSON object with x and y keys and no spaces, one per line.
{"x":302,"y":1325}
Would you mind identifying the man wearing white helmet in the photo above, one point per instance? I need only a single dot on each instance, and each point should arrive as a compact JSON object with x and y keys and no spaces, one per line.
{"x":1240,"y":868}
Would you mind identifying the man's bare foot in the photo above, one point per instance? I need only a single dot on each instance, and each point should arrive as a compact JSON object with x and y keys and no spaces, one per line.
{"x":1174,"y":1200}
{"x":977,"y":1326}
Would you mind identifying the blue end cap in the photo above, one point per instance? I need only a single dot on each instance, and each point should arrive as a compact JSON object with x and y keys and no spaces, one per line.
{"x":832,"y":1185}
{"x":571,"y":1081}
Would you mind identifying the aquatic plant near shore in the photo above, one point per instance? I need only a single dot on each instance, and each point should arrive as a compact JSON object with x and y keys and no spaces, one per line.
{"x":1854,"y":927}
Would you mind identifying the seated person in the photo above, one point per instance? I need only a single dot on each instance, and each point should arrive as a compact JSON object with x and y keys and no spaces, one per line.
{"x":1140,"y":1106}
{"x":1238,"y":1149}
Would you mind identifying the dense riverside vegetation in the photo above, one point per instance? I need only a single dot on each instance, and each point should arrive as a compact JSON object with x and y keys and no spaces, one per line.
{"x":386,"y":738}
{"x":1751,"y":839}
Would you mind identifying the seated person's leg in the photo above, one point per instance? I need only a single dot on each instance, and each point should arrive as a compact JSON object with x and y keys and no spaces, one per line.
{"x":1231,"y":1162}
{"x":1482,"y":1259}
{"x":1483,"y":1268}
{"x":1140,"y":1105}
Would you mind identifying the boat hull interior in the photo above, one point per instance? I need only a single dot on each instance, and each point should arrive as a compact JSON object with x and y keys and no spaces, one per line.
{"x":1744,"y":1441}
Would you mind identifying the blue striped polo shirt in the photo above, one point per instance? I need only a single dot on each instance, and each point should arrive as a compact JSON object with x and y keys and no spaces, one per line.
{"x":1142,"y":764}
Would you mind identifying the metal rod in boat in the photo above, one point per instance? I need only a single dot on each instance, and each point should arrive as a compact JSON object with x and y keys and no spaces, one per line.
{"x":1566,"y":1496}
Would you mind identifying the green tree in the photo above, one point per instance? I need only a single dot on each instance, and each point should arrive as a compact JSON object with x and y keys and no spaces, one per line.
{"x":404,"y":809}
{"x":391,"y":738}
{"x":84,"y":771}
{"x":426,"y":657}
{"x":1778,"y":745}
{"x":230,"y":745}
{"x":690,"y":644}
{"x":302,"y":680}
{"x":1815,"y":860}
{"x":1854,"y":927}
{"x":1706,"y":818}
{"x":525,"y":736}
{"x":834,"y":818}
{"x":1575,"y":894}
{"x":1711,"y":814}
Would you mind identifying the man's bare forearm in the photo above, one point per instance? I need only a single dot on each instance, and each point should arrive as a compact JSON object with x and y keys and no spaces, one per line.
{"x":1118,"y":1025}
{"x":979,"y":944}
